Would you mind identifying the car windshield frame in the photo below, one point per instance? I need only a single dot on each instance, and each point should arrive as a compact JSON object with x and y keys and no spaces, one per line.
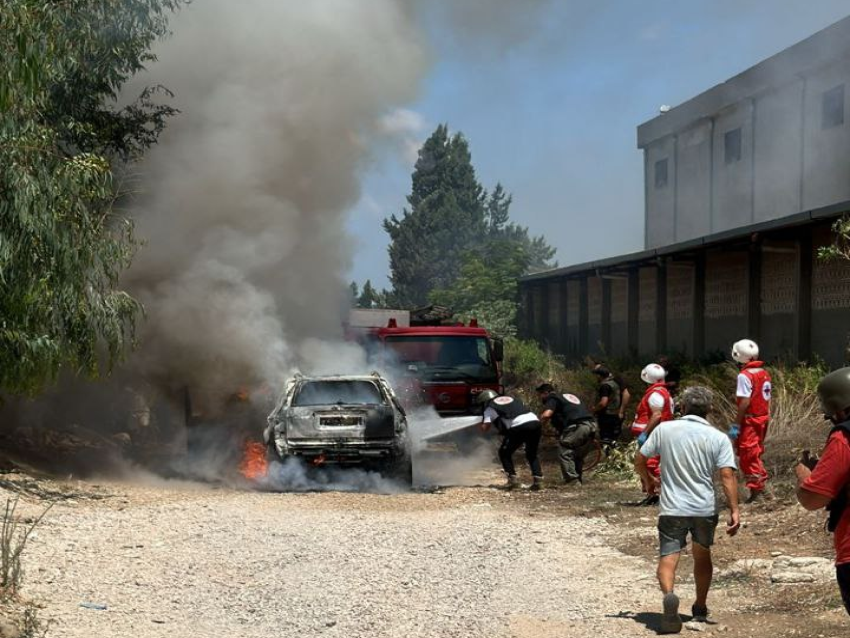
{"x":359,"y":392}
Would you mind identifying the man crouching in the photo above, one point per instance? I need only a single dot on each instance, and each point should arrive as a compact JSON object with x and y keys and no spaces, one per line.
{"x":692,"y":451}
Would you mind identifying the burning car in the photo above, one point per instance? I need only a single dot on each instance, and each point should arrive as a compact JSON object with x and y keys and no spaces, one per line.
{"x":347,"y":420}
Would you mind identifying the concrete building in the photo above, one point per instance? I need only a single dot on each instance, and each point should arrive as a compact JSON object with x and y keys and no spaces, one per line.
{"x":742,"y":184}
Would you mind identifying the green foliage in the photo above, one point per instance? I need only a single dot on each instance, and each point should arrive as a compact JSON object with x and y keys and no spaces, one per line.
{"x":62,"y":247}
{"x":619,"y":465}
{"x":485,"y":277}
{"x":369,"y":297}
{"x":446,"y":246}
{"x":840,"y":247}
{"x":537,"y":254}
{"x":526,"y":364}
{"x":498,"y":317}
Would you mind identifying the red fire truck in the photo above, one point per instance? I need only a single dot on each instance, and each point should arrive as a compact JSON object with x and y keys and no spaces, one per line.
{"x":429,"y":357}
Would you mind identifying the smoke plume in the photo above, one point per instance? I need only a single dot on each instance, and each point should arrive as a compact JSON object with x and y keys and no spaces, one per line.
{"x":243,"y":202}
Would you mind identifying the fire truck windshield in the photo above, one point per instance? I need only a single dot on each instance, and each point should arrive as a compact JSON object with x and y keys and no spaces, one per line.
{"x":445,"y":357}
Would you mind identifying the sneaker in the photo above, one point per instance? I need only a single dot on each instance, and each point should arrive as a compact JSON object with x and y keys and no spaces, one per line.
{"x":513,"y":483}
{"x":671,"y":622}
{"x":536,"y":486}
{"x":652,"y":499}
{"x":699,"y":613}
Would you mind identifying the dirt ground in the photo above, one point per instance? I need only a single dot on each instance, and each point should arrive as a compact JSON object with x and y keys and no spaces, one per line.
{"x":178,"y":559}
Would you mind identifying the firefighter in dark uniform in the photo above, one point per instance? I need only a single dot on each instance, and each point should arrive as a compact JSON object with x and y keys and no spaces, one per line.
{"x":575,"y":426}
{"x":519,"y":427}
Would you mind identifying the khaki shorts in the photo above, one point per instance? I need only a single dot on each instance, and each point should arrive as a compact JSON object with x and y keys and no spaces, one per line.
{"x":673,"y":532}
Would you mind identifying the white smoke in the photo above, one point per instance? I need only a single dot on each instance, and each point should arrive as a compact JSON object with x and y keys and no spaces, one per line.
{"x":293,"y":475}
{"x":244,"y":199}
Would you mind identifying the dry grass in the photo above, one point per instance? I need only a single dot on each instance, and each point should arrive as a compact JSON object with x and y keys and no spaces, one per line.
{"x":14,"y":534}
{"x":796,"y":421}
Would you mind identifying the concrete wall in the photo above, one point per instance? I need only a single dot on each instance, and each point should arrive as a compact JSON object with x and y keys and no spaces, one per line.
{"x":554,"y":314}
{"x":680,"y":308}
{"x":594,"y":315}
{"x":619,"y":315}
{"x":732,"y":185}
{"x":826,"y":154}
{"x":778,"y":158}
{"x":726,"y":299}
{"x":790,"y":161}
{"x":573,"y":346}
{"x":693,"y":182}
{"x":772,"y":288}
{"x":660,"y":200}
{"x":830,"y":306}
{"x":779,"y":298}
{"x":647,"y":315}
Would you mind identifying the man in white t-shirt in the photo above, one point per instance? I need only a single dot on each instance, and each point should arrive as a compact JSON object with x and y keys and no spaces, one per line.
{"x":692,"y":451}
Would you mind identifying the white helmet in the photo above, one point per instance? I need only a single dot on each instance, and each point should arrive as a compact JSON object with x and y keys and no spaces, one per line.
{"x":653,"y":373}
{"x":745,"y":350}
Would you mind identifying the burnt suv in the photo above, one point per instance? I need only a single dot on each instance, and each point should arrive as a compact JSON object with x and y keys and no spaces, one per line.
{"x":345,"y":420}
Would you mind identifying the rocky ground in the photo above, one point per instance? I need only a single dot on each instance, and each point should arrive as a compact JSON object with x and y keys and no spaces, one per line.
{"x":154,"y":558}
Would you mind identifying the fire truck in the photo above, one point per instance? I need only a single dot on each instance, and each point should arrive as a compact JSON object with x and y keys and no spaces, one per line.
{"x":429,"y":357}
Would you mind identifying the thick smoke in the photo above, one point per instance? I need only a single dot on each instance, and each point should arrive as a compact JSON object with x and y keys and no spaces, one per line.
{"x":243,"y":201}
{"x":242,"y":207}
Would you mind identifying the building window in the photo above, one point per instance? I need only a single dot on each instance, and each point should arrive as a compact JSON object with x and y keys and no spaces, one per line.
{"x":833,"y":107}
{"x":732,"y":146}
{"x":661,"y":173}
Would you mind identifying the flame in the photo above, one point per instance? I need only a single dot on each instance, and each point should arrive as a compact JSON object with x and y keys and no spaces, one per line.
{"x":254,"y":465}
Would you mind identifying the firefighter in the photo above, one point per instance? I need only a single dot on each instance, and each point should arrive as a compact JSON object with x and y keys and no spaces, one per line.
{"x":655,"y":407}
{"x":575,"y":426}
{"x":519,"y":427}
{"x":753,"y":399}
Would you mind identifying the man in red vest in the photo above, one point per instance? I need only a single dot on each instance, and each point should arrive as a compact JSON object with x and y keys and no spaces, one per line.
{"x":753,"y":399}
{"x":655,"y":407}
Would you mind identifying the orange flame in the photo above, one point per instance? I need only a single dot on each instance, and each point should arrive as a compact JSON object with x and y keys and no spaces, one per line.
{"x":254,"y":465}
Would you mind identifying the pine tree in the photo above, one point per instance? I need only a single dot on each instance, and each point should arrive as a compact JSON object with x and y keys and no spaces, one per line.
{"x":454,"y":229}
{"x":446,"y":217}
{"x":369,"y":297}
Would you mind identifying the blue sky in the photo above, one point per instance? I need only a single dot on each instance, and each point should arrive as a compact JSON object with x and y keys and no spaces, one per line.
{"x":550,"y":99}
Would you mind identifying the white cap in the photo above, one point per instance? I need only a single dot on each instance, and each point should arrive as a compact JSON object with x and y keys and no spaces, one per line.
{"x":653,"y":373}
{"x":745,"y":350}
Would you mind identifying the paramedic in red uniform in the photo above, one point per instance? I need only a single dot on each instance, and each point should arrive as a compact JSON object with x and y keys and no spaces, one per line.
{"x":753,"y":399}
{"x":655,"y":407}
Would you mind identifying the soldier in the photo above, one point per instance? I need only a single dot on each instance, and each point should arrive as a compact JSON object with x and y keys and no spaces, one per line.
{"x":575,"y":427}
{"x":825,"y":482}
{"x":607,"y":409}
{"x":753,"y":400}
{"x":519,"y":427}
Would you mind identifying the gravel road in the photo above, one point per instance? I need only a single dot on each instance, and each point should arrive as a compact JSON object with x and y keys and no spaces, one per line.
{"x":181,"y":561}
